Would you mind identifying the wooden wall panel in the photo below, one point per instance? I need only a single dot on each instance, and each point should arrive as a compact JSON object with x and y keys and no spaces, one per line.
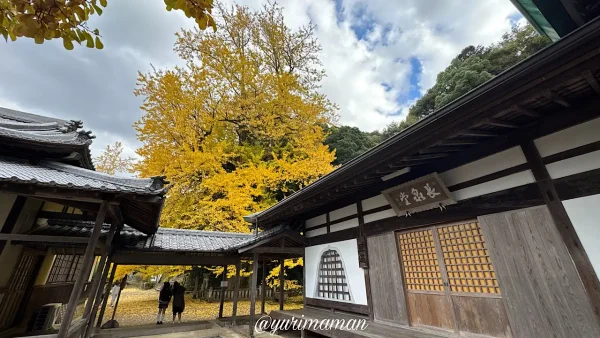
{"x":481,"y":315}
{"x":542,"y":291}
{"x":430,"y":310}
{"x":387,"y":290}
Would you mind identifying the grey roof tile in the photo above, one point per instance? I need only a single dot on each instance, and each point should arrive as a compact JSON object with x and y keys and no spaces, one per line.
{"x":56,"y":174}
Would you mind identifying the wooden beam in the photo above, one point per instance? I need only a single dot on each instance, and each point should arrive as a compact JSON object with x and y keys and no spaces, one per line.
{"x":554,"y":97}
{"x":253,"y":285}
{"x":439,"y":149}
{"x":478,"y":133}
{"x":45,"y":239}
{"x":569,"y":236}
{"x":106,"y":294}
{"x":281,"y":283}
{"x":11,"y":219}
{"x":82,"y":277}
{"x":263,"y":288}
{"x":222,"y":298}
{"x":236,"y":292}
{"x":526,"y":111}
{"x":169,"y":258}
{"x":591,"y":80}
{"x":570,"y":7}
{"x":455,"y":142}
{"x":99,"y":294}
{"x":500,"y":123}
{"x":274,"y":250}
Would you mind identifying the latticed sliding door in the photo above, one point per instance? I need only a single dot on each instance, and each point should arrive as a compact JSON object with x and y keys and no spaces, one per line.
{"x":16,"y":289}
{"x":333,"y":283}
{"x":450,"y":280}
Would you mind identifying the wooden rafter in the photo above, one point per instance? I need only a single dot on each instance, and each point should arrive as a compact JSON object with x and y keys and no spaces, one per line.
{"x":439,"y":149}
{"x":525,"y":111}
{"x":478,"y":133}
{"x":591,"y":80}
{"x":500,"y":123}
{"x":455,"y":142}
{"x":554,"y":97}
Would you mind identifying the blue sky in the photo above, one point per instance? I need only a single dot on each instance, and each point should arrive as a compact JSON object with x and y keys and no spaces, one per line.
{"x":379,"y":55}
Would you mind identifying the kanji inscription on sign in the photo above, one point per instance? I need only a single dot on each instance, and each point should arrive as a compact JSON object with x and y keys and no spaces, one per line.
{"x":422,"y":194}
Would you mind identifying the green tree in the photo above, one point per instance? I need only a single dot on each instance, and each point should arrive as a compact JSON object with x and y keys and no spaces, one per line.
{"x":472,"y":67}
{"x":348,"y":142}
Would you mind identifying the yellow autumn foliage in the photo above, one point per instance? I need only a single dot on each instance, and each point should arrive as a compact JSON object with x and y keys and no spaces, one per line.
{"x":241,"y":125}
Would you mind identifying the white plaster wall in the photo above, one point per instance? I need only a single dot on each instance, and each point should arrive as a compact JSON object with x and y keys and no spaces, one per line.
{"x":584,"y":213}
{"x":342,"y":212}
{"x":351,"y":223}
{"x":316,"y":232}
{"x":569,"y":138}
{"x":355,"y":275}
{"x":503,"y":183}
{"x":379,"y":215}
{"x":574,"y":165}
{"x":313,"y":222}
{"x":485,"y":166}
{"x":374,"y":202}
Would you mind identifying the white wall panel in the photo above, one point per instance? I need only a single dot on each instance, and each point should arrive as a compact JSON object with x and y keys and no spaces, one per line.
{"x":342,"y":212}
{"x":574,"y":165}
{"x":316,"y":232}
{"x":379,"y":215}
{"x":569,"y":138}
{"x":374,"y":202}
{"x":313,"y":222}
{"x":584,"y":213}
{"x":485,"y":166}
{"x":348,"y":250}
{"x":503,"y":183}
{"x":351,"y":223}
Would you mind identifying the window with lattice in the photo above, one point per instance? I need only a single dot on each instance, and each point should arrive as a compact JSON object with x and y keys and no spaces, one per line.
{"x":65,"y":269}
{"x":332,"y":280}
{"x":467,"y":260}
{"x":420,"y":261}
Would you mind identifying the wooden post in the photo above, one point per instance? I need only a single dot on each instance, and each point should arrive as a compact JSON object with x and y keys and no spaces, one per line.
{"x":97,"y":300}
{"x":281,"y":283}
{"x":236,"y":292}
{"x":222,"y":300}
{"x":86,"y":266}
{"x":263,"y":286}
{"x":100,"y":271}
{"x":122,"y":286}
{"x":106,"y":294}
{"x":304,"y":281}
{"x":253,"y":294}
{"x":564,"y":226}
{"x":195,"y":294}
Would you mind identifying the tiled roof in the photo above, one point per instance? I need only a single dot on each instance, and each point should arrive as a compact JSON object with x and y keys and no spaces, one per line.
{"x":19,"y":125}
{"x":262,"y":235}
{"x":165,"y":239}
{"x":56,"y":174}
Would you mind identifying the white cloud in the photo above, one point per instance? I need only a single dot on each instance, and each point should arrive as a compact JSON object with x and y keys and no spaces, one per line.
{"x":368,"y":78}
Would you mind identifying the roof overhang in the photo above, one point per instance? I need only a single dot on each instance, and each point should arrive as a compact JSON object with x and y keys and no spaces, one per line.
{"x":563,"y":75}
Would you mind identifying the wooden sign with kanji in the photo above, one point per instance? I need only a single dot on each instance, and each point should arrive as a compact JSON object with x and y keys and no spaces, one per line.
{"x":422,"y":194}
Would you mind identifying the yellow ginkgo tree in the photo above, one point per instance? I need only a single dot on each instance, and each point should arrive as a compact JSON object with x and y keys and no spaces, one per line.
{"x":241,"y":125}
{"x":67,"y":19}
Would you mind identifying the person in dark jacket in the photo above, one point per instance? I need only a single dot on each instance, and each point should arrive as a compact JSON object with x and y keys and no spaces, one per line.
{"x":178,"y":300}
{"x":163,"y":301}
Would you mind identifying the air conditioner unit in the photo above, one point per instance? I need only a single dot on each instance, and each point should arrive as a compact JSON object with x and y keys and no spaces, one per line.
{"x":49,"y":317}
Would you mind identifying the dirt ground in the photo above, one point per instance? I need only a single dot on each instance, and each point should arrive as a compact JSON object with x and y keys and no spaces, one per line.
{"x":139,"y":307}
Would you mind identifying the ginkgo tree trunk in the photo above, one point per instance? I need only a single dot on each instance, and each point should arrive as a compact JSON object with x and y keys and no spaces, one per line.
{"x":241,"y":125}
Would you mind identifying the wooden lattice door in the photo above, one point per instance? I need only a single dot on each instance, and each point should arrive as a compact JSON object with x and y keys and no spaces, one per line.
{"x":18,"y":286}
{"x":450,"y":280}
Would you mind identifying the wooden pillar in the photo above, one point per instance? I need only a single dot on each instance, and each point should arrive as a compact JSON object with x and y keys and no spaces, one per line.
{"x":106,"y":294}
{"x":236,"y":291}
{"x":364,"y":260}
{"x":263,"y":288}
{"x":304,"y":280}
{"x":222,"y":300}
{"x":86,"y":266}
{"x":98,"y":299}
{"x":100,"y":271}
{"x":122,"y":286}
{"x":281,"y":283}
{"x":253,"y":294}
{"x":565,"y":227}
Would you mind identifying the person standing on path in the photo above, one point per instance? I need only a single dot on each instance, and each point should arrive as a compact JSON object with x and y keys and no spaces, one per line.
{"x":164,"y":298}
{"x":178,"y":300}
